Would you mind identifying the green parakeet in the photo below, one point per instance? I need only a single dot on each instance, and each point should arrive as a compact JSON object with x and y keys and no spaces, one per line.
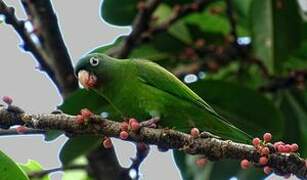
{"x":142,"y":89}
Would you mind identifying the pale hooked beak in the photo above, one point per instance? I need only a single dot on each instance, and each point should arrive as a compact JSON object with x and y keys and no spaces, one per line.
{"x":86,"y":79}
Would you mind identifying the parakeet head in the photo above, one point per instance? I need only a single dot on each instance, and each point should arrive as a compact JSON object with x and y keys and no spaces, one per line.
{"x":92,"y":70}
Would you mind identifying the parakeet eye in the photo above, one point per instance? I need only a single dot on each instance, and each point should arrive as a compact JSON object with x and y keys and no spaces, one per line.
{"x":94,"y":61}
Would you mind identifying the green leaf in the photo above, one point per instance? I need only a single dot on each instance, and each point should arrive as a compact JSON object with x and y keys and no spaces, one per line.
{"x":33,"y":166}
{"x":243,"y":107}
{"x":148,"y":51}
{"x":77,"y":146}
{"x":294,"y":108}
{"x":162,"y":13}
{"x":242,"y":7}
{"x":77,"y":174}
{"x":10,"y":170}
{"x":273,"y":38}
{"x":178,"y":30}
{"x":209,"y":22}
{"x":119,"y":12}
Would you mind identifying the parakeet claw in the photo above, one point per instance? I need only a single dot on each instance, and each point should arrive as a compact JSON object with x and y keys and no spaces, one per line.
{"x":151,"y":123}
{"x":206,"y":134}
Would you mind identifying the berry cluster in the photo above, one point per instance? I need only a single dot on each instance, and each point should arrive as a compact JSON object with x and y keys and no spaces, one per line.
{"x":84,"y":116}
{"x":262,"y":147}
{"x":132,"y":124}
{"x":264,"y":151}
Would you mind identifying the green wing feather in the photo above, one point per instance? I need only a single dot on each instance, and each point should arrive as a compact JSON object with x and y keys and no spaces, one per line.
{"x":158,"y":77}
{"x":151,"y":74}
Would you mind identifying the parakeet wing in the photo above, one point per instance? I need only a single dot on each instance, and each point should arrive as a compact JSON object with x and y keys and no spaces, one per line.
{"x":156,"y":76}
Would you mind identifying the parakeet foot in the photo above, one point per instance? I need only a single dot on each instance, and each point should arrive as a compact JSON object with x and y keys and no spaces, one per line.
{"x":206,"y":134}
{"x":151,"y":123}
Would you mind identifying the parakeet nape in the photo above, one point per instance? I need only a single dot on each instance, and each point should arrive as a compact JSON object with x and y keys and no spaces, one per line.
{"x":142,"y":89}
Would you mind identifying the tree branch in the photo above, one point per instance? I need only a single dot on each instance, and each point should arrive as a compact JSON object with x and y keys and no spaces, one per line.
{"x":15,"y":131}
{"x":140,"y":25}
{"x":293,"y":79}
{"x":141,"y":29}
{"x":214,"y":149}
{"x":47,"y":29}
{"x":50,"y":51}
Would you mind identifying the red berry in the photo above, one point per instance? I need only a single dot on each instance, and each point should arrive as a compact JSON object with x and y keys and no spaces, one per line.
{"x":132,"y":120}
{"x":79,"y":119}
{"x":267,"y":137}
{"x":135,"y":126}
{"x":123,"y":135}
{"x":201,"y":162}
{"x":256,"y":141}
{"x":124,"y":126}
{"x":287,"y":148}
{"x":7,"y":99}
{"x":245,"y":164}
{"x":21,"y":129}
{"x":107,"y":143}
{"x":282,"y":148}
{"x":294,"y":147}
{"x":267,"y":170}
{"x":263,"y":160}
{"x":265,"y":151}
{"x":86,"y":113}
{"x":195,"y":132}
{"x":276,"y":144}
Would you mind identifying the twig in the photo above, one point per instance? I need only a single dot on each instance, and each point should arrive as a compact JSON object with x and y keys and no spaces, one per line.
{"x":56,"y":57}
{"x":15,"y":131}
{"x":294,"y":78}
{"x":40,"y":174}
{"x":214,"y":149}
{"x":232,"y":20}
{"x":142,"y":151}
{"x":140,"y":25}
{"x":29,"y":45}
